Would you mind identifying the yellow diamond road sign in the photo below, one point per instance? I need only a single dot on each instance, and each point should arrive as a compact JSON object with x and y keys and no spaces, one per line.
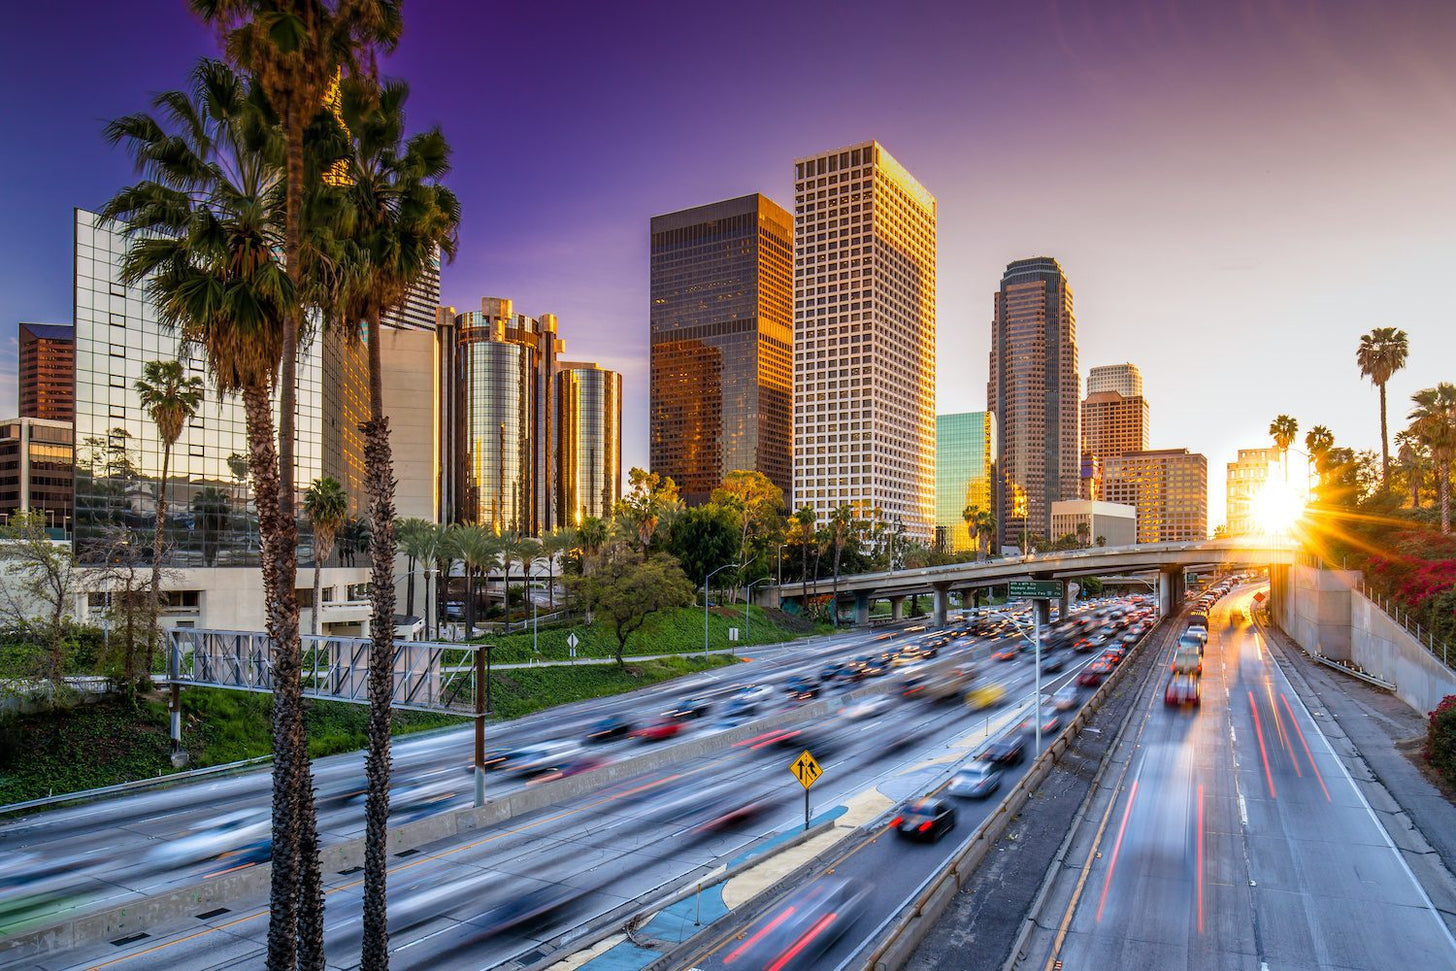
{"x":806,"y":770}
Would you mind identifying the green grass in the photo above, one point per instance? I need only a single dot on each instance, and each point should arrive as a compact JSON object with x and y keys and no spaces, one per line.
{"x":672,"y":632}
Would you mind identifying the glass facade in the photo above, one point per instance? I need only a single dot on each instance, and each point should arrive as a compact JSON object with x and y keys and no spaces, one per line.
{"x":37,"y":471}
{"x":965,"y":460}
{"x":118,"y":454}
{"x":722,"y":344}
{"x":589,"y":428}
{"x":46,"y":371}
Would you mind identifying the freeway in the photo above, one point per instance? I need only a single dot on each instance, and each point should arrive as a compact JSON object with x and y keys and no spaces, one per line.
{"x":506,"y":895}
{"x":1237,"y":840}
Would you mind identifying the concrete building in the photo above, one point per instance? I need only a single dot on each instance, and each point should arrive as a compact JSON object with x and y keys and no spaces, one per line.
{"x":37,"y":471}
{"x":589,"y":428}
{"x":1095,"y":523}
{"x":1033,"y":391}
{"x":46,"y":371}
{"x":722,"y":344}
{"x":1114,"y":413}
{"x":864,"y":337}
{"x":965,"y":460}
{"x":1168,"y":488}
{"x":1123,"y":378}
{"x":1245,"y":478}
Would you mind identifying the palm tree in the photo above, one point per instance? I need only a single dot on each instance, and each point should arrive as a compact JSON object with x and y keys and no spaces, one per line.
{"x":417,"y":542}
{"x":1381,"y":353}
{"x":1433,"y":422}
{"x":528,"y":550}
{"x":979,"y":523}
{"x":327,"y":506}
{"x":553,"y":544}
{"x":1282,"y":430}
{"x":842,"y":523}
{"x":169,"y":397}
{"x":476,"y":547}
{"x":204,"y":226}
{"x":592,"y":535}
{"x":1411,"y":456}
{"x":510,"y":549}
{"x":803,"y":526}
{"x":1317,"y":442}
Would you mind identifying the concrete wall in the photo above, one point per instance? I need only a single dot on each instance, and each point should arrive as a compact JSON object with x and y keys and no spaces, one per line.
{"x":1325,"y":614}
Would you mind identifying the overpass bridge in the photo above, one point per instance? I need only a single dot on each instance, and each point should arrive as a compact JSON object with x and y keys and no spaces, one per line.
{"x":1170,"y":562}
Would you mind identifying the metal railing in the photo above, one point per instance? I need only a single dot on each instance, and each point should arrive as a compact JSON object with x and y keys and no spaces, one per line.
{"x":1439,"y":647}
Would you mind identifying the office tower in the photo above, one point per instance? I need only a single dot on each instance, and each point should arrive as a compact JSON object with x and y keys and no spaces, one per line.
{"x":420,"y":303}
{"x":1033,"y":391}
{"x":36,"y":471}
{"x":965,"y":458}
{"x":1245,"y":479}
{"x":1090,"y":482}
{"x":498,"y":444}
{"x":722,"y":344}
{"x":1124,"y":378}
{"x":1094,"y":523}
{"x":864,"y":337}
{"x":46,"y":371}
{"x":1114,"y":414}
{"x":589,"y":428}
{"x":1168,"y":488}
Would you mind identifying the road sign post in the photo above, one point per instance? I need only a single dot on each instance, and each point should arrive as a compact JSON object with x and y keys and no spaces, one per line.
{"x":571,"y":641}
{"x":807,"y":771}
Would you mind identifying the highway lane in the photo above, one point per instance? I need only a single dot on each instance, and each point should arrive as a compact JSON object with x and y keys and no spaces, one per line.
{"x":1239,"y":841}
{"x":586,"y":858}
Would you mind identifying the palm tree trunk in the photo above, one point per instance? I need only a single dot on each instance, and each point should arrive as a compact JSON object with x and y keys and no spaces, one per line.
{"x":158,"y":540}
{"x":410,"y":588}
{"x":318,"y":587}
{"x":379,"y":484}
{"x":1443,"y":485}
{"x":1384,"y":445}
{"x":506,"y":589}
{"x":834,"y":600}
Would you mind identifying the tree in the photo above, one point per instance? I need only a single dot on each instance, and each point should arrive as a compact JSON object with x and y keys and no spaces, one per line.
{"x":327,"y":507}
{"x":476,"y":547}
{"x":1411,"y":461}
{"x":803,"y":530}
{"x":212,"y":514}
{"x":843,"y":525}
{"x":1381,"y":353}
{"x":640,"y":512}
{"x":417,"y":539}
{"x":626,"y":591}
{"x":1283,"y":429}
{"x":592,"y":535}
{"x":757,"y":500}
{"x":981,"y":524}
{"x":1433,"y":423}
{"x":169,"y":397}
{"x":204,"y":227}
{"x":704,"y":538}
{"x":117,"y":568}
{"x":1317,"y":442}
{"x":39,"y":592}
{"x":553,"y":544}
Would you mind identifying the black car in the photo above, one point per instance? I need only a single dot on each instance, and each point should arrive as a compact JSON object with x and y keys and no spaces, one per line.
{"x":610,"y":728}
{"x":834,"y":669}
{"x":1009,"y":750}
{"x":1052,"y":663}
{"x":802,"y":689}
{"x":925,"y":819}
{"x":690,"y":708}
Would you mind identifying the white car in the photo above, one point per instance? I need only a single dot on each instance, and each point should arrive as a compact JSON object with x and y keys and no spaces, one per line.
{"x":541,"y":757}
{"x":205,"y":841}
{"x":869,"y":708}
{"x":756,"y":693}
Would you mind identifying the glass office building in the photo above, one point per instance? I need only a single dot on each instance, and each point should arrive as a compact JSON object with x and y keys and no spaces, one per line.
{"x":589,"y":430}
{"x":965,"y":461}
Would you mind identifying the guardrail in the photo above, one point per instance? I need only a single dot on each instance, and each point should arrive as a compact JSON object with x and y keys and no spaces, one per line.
{"x":85,"y":794}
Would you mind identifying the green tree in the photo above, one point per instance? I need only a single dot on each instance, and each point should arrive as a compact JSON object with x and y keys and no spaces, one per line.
{"x":39,"y":590}
{"x":475,"y":546}
{"x":1381,"y":353}
{"x":640,"y":512}
{"x":327,"y":507}
{"x":1433,"y":422}
{"x":169,"y":397}
{"x":416,"y":538}
{"x":626,"y":591}
{"x":1317,"y":443}
{"x":1410,"y":460}
{"x":844,"y":525}
{"x":704,"y":538}
{"x":981,"y":525}
{"x":554,"y":544}
{"x":1283,"y":429}
{"x":758,"y":502}
{"x":592,"y":536}
{"x":802,"y":531}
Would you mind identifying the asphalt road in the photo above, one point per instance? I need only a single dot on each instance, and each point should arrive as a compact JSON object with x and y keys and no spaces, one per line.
{"x":1237,"y":841}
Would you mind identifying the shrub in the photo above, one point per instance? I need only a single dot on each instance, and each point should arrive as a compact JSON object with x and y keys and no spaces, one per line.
{"x":1440,"y":751}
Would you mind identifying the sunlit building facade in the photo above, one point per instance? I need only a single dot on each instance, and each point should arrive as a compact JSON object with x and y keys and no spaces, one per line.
{"x":722,"y":344}
{"x":1123,"y":378}
{"x":965,"y":460}
{"x":1033,"y":391}
{"x":1168,"y":488}
{"x":589,"y":427}
{"x":1094,"y":523}
{"x":1245,"y":479}
{"x":46,"y":371}
{"x":37,"y":473}
{"x":864,"y":337}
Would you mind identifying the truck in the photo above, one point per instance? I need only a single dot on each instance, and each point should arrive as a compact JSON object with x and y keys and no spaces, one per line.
{"x":1188,"y":659}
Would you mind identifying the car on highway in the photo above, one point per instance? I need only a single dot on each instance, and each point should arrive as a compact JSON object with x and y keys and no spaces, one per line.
{"x":1183,"y":689}
{"x":690,"y":708}
{"x":1198,"y":631}
{"x":868,"y":708}
{"x":541,"y":757}
{"x":663,"y":728}
{"x":801,"y":689}
{"x":212,"y":837}
{"x":1052,"y":663}
{"x":1009,"y":749}
{"x":835,"y":670}
{"x":1066,"y":697}
{"x":609,"y":729}
{"x":1008,"y":653}
{"x":1091,"y":676}
{"x":1187,"y":659}
{"x":976,"y":781}
{"x":925,"y":819}
{"x":801,"y":927}
{"x":985,"y":696}
{"x":759,"y":693}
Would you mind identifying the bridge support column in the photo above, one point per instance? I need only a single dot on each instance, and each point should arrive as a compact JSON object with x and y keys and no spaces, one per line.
{"x":1042,"y":609}
{"x":861,"y":609}
{"x":1170,"y":590}
{"x":941,"y":597}
{"x":897,"y":608}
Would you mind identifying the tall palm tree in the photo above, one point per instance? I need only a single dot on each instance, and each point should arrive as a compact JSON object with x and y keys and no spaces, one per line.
{"x":528,"y":551}
{"x":204,"y":226}
{"x":327,"y":507}
{"x":842,"y":524}
{"x":475,"y":546}
{"x":511,"y":549}
{"x":1283,"y":429}
{"x":169,"y":397}
{"x":416,"y":538}
{"x":803,"y":528}
{"x":1381,"y":353}
{"x":1317,"y":442}
{"x":979,"y":523}
{"x":553,"y":544}
{"x":1433,"y":422}
{"x":592,"y":535}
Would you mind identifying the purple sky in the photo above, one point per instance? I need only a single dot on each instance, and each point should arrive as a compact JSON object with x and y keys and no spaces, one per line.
{"x":1236,"y":190}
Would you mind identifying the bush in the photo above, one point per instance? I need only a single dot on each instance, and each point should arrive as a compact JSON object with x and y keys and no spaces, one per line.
{"x":1440,"y":751}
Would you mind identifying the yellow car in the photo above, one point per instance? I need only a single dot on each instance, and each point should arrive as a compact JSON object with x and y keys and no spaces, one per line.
{"x":986,"y":696}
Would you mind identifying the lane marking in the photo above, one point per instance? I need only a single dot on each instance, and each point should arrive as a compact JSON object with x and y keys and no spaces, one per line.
{"x":1243,"y":812}
{"x":1295,"y":722}
{"x":1263,"y":753}
{"x":1279,"y":728}
{"x":1200,"y":858}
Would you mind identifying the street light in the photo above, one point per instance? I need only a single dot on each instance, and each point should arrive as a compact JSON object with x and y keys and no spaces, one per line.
{"x":706,"y":580}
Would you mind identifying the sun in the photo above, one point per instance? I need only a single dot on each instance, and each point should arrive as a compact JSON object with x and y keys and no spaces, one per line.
{"x":1277,"y":507}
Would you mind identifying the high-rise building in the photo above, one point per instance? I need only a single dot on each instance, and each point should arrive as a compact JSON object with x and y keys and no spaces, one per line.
{"x":420,"y":303}
{"x":1124,"y":378}
{"x":1245,"y":479}
{"x":46,"y":371}
{"x":722,"y":344}
{"x":1169,"y":489}
{"x":1114,"y":413}
{"x":864,"y":337}
{"x":37,"y":471}
{"x":1094,"y":523}
{"x":589,"y":428}
{"x":1033,"y":391}
{"x":965,"y":459}
{"x":498,"y":445}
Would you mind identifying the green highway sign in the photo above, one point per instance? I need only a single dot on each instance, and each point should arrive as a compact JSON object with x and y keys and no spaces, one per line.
{"x":1036,"y":589}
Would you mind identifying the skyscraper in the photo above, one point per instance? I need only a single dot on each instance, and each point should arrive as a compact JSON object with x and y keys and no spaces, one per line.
{"x":722,"y":343}
{"x":965,"y":456}
{"x":864,"y":337}
{"x":1244,"y":479}
{"x":46,"y":371}
{"x":1033,"y":391}
{"x":1169,"y":489}
{"x":1123,"y":378}
{"x":1114,"y":413}
{"x":589,"y":428}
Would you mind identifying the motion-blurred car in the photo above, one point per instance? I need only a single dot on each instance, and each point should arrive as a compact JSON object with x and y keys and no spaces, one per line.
{"x":1183,"y":689}
{"x":975,"y":781}
{"x":230,"y":831}
{"x":985,"y":696}
{"x":801,"y":927}
{"x":1009,"y":749}
{"x":925,"y":819}
{"x":759,"y":693}
{"x":690,"y":708}
{"x":835,"y":670}
{"x":801,"y":689}
{"x":1052,"y":663}
{"x":541,"y":757}
{"x":663,"y":728}
{"x":868,"y":708}
{"x":1009,"y":653}
{"x":609,"y":729}
{"x":1066,"y":697}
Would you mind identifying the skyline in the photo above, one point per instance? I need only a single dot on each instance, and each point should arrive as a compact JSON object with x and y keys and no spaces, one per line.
{"x":1278,"y":202}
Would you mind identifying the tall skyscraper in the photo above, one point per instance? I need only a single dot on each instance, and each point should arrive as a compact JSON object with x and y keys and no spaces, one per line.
{"x":965,"y":457}
{"x":46,"y":371}
{"x":418,"y":310}
{"x":864,"y":337}
{"x":1033,"y":391}
{"x":1114,"y":414}
{"x":1169,"y":489}
{"x":589,"y":428}
{"x":722,"y":344}
{"x":1245,"y":478}
{"x":1124,"y":378}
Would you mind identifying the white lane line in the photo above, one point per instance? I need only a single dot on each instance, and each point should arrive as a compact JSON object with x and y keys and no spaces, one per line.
{"x":1243,"y":812}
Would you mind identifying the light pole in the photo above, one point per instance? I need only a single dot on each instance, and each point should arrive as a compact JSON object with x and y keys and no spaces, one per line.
{"x":706,"y":581}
